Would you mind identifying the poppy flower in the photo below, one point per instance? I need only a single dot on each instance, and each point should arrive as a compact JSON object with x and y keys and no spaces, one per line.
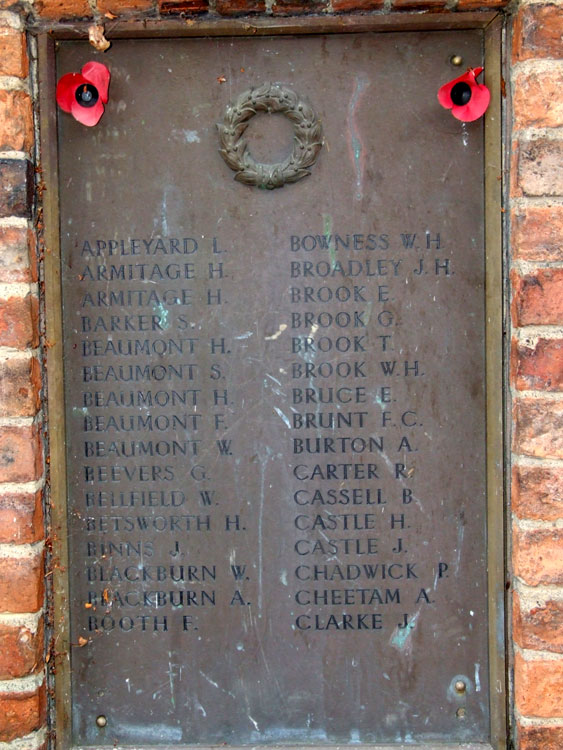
{"x":467,"y":99}
{"x":84,"y":94}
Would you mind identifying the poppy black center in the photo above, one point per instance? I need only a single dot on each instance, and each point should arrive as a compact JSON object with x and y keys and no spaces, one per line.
{"x":86,"y":95}
{"x":461,"y":93}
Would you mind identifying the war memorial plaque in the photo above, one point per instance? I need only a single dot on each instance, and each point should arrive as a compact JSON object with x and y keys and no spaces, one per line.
{"x":275,"y":395}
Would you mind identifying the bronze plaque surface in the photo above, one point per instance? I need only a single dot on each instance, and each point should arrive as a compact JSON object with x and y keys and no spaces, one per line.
{"x":275,"y":400}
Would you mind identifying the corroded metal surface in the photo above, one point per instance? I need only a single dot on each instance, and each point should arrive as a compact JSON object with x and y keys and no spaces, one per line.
{"x":275,"y":401}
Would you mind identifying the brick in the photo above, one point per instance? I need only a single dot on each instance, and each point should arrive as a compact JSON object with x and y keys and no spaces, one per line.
{"x":21,"y":381}
{"x":540,"y":628}
{"x":17,"y":254}
{"x":477,"y":4}
{"x":61,"y":10}
{"x":538,"y":429}
{"x":117,"y":7}
{"x":537,"y":233}
{"x":21,"y":650}
{"x":239,"y":7}
{"x":21,"y":518}
{"x":18,"y":322}
{"x":540,"y":738}
{"x":16,"y":187}
{"x":537,"y":100}
{"x":538,"y":365}
{"x":20,"y":454}
{"x":538,"y":297}
{"x":22,"y":713}
{"x":537,"y":556}
{"x":291,"y":7}
{"x":537,"y":32}
{"x":537,"y":492}
{"x":348,"y":5}
{"x":539,"y":167}
{"x":538,"y":687}
{"x":13,"y":52}
{"x":419,"y":4}
{"x":21,"y":584}
{"x":169,"y":7}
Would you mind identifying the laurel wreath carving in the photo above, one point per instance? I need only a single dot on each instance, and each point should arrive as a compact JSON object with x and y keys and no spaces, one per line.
{"x":307,"y":141}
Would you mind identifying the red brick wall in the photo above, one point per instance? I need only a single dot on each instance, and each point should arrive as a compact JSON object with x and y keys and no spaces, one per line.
{"x":536,"y":245}
{"x":535,"y":210}
{"x":22,"y":661}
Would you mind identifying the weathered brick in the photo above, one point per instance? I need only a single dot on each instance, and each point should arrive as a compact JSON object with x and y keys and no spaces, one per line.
{"x":538,"y":556}
{"x":170,"y":7}
{"x":419,"y":4}
{"x":538,"y":365}
{"x":538,"y":429}
{"x":294,"y":7}
{"x":18,"y":321}
{"x":21,"y":381}
{"x":540,"y":738}
{"x":18,"y":260}
{"x":537,"y":100}
{"x":61,"y":10}
{"x":537,"y":492}
{"x":21,"y":713}
{"x":116,"y":7}
{"x":540,"y":628}
{"x":21,"y":650}
{"x":16,"y":187}
{"x":538,"y":297}
{"x":20,"y":454}
{"x":348,"y":5}
{"x":478,"y":4}
{"x":21,"y":584}
{"x":538,"y":687}
{"x":239,"y":7}
{"x":537,"y":32}
{"x":13,"y":52}
{"x":537,"y":233}
{"x":539,"y":167}
{"x":21,"y":518}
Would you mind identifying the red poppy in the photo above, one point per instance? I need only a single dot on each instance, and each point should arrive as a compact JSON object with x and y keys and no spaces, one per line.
{"x":84,"y":94}
{"x":467,"y":99}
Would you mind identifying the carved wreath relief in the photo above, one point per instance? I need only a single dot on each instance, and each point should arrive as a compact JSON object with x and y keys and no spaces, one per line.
{"x":307,"y":141}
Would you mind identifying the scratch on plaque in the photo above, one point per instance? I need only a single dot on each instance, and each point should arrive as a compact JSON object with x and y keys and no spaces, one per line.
{"x":355,"y":142}
{"x":171,"y":678}
{"x":477,"y":678}
{"x":327,"y":229}
{"x":401,"y":638}
{"x":164,"y":216}
{"x":208,"y":678}
{"x":460,"y":534}
{"x":189,"y":136}
{"x":464,"y":134}
{"x":282,"y":416}
{"x":246,"y":335}
{"x":164,"y":313}
{"x":283,"y":577}
{"x":277,"y":334}
{"x":254,"y":722}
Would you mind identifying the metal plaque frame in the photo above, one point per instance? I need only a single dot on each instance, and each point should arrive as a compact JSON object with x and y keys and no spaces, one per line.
{"x":491,"y":25}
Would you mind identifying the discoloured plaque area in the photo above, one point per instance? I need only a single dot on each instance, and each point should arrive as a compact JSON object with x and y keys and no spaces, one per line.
{"x":275,"y":401}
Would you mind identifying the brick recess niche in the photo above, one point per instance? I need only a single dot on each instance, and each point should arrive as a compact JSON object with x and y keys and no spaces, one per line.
{"x":535,"y":242}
